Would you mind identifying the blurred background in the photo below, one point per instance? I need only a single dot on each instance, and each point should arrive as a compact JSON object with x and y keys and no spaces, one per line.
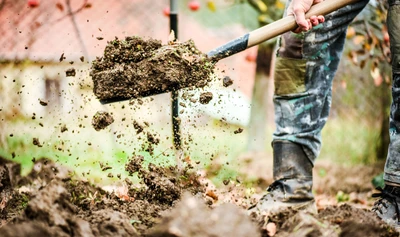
{"x":47,"y":112}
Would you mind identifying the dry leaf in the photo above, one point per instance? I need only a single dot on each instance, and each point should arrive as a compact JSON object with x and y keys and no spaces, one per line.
{"x":60,"y":6}
{"x":351,"y":32}
{"x":279,"y":5}
{"x":261,"y":6}
{"x":376,"y":75}
{"x":353,"y":57}
{"x":187,"y":159}
{"x":358,"y":39}
{"x":343,"y":84}
{"x":362,"y":64}
{"x":212,"y":195}
{"x":171,"y":37}
{"x":211,"y":6}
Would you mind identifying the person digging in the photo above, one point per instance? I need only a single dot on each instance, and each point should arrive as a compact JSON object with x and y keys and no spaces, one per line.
{"x":307,"y":60}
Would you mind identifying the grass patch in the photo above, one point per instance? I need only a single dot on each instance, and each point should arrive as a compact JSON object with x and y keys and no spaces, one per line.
{"x":86,"y":151}
{"x":349,"y":141}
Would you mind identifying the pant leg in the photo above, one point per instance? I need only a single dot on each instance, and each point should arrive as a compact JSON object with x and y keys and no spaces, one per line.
{"x":392,"y":167}
{"x":304,"y":70}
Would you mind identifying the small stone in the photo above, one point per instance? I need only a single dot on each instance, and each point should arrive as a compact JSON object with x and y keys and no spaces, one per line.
{"x":227,"y":81}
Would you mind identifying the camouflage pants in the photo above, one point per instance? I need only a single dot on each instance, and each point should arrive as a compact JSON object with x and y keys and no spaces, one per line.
{"x":304,"y":71}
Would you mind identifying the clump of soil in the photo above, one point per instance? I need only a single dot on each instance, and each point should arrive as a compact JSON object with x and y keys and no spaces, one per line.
{"x":163,"y":184}
{"x":36,"y":142}
{"x":227,"y":81}
{"x":70,"y":72}
{"x":136,"y":67}
{"x":11,"y":201}
{"x":239,"y":130}
{"x":205,"y":97}
{"x":101,"y":120}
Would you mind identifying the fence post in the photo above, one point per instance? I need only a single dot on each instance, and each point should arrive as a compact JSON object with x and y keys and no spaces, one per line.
{"x":173,"y":17}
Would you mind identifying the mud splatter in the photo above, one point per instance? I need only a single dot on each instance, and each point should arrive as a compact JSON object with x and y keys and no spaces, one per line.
{"x":162,"y":184}
{"x":36,"y":142}
{"x":43,"y":103}
{"x":239,"y":130}
{"x":70,"y":72}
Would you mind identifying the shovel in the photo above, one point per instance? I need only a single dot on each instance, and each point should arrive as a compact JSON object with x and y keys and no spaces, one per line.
{"x":256,"y":37}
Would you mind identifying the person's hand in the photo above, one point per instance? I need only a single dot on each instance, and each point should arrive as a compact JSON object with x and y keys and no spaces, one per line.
{"x":298,"y":8}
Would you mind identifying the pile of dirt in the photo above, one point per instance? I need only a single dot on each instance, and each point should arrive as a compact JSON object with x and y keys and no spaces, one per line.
{"x":136,"y":67}
{"x":193,"y":218}
{"x":342,"y":220}
{"x":52,"y":201}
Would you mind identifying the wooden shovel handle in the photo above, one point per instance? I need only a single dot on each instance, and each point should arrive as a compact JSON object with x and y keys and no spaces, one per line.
{"x":274,"y":29}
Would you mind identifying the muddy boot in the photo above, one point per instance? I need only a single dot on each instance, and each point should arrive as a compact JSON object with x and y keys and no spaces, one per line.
{"x":387,"y":207}
{"x":293,"y":182}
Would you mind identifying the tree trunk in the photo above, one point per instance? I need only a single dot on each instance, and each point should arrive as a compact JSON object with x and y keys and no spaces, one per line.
{"x":384,"y":139}
{"x":260,"y":99}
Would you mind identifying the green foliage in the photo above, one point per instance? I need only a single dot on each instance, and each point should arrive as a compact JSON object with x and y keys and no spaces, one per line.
{"x":349,"y":141}
{"x":369,"y":42}
{"x":342,"y":197}
{"x":378,"y":181}
{"x":86,"y":151}
{"x":268,"y":10}
{"x":322,"y":172}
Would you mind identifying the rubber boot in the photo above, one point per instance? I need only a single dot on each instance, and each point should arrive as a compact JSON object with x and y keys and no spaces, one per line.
{"x":387,"y":207}
{"x":292,"y":187}
{"x":293,"y":170}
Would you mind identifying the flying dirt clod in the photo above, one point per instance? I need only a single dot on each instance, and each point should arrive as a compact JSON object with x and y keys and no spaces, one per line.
{"x":135,"y":67}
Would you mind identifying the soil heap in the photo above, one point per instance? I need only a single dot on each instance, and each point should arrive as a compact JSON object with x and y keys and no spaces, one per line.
{"x":136,"y":67}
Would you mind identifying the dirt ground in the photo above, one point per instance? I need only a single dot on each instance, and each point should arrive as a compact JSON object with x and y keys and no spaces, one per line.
{"x":51,"y":201}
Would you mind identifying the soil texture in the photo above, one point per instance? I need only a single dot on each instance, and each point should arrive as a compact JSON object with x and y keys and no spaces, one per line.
{"x":342,"y":220}
{"x":192,"y":217}
{"x":135,"y":67}
{"x":52,"y":201}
